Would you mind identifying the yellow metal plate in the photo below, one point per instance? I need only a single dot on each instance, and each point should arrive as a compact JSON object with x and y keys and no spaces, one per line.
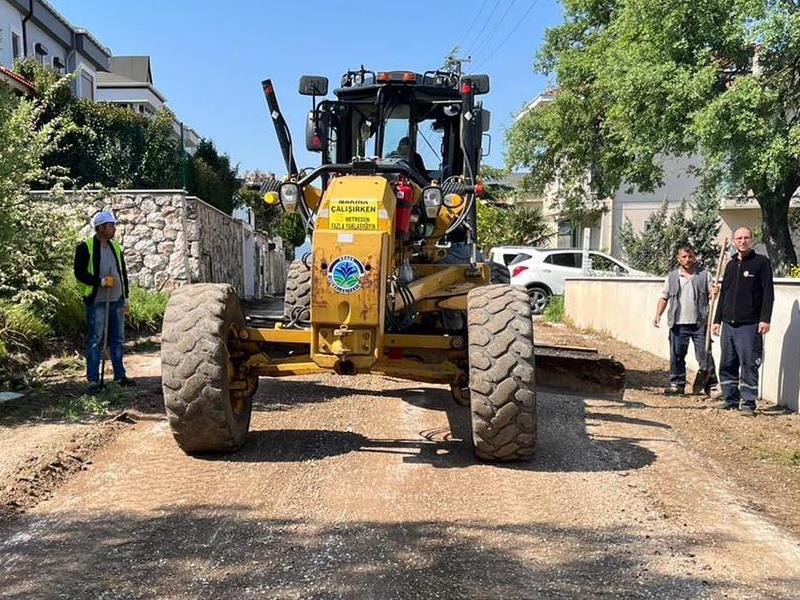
{"x":352,"y":214}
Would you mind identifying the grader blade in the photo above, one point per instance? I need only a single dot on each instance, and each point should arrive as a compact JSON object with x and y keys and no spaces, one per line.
{"x":578,"y":370}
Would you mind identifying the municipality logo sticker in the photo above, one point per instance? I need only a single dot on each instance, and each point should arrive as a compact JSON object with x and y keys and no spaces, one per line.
{"x":345,"y":273}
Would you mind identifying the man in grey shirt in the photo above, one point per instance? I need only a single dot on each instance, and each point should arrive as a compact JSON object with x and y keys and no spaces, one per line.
{"x":686,"y":290}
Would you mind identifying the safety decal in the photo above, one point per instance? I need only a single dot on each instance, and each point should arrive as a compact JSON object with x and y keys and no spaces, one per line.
{"x":351,"y":214}
{"x":345,"y":273}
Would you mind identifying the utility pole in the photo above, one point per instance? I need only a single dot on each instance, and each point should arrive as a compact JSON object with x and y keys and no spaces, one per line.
{"x":184,"y":172}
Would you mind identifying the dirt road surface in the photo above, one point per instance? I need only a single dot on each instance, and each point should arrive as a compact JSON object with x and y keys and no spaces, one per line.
{"x":367,"y":488}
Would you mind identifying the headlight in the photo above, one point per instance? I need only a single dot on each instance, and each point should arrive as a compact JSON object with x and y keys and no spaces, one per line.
{"x":272,"y":198}
{"x":453,"y":201}
{"x":290,"y":196}
{"x":432,"y":199}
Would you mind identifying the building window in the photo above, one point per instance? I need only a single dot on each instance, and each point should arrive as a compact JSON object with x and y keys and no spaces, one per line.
{"x":87,"y":85}
{"x":15,"y":46}
{"x":59,"y":66}
{"x":41,"y":54}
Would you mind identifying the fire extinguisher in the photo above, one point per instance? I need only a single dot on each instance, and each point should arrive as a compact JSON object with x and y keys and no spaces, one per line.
{"x":405,"y":201}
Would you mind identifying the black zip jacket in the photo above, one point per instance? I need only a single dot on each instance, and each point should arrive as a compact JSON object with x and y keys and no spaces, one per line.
{"x":81,"y":269}
{"x":747,"y":291}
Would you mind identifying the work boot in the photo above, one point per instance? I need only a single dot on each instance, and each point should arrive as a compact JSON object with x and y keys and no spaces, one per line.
{"x":674,"y":390}
{"x":715,"y":393}
{"x":748,"y":411}
{"x":725,"y":405}
{"x":125,"y":382}
{"x":93,"y":388}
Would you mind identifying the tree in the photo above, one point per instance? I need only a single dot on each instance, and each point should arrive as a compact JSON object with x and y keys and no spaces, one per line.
{"x":511,"y":226}
{"x":35,"y":242}
{"x":642,"y":79}
{"x":213,"y":179}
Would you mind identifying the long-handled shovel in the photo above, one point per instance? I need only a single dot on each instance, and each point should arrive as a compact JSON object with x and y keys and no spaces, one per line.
{"x":703,"y":375}
{"x":105,"y":340}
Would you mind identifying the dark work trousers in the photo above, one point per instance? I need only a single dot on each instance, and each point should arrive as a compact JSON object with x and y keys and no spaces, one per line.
{"x":742,"y":349}
{"x":679,"y":338}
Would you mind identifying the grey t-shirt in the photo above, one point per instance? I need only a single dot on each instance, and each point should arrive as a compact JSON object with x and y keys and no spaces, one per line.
{"x":108,"y":266}
{"x":687,"y":315}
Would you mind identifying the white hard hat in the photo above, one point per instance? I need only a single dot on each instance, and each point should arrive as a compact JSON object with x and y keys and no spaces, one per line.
{"x":103,"y":217}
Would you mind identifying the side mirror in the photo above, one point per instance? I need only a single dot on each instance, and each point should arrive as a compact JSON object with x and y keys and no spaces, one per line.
{"x":313,"y":85}
{"x":486,"y":120}
{"x":480,"y":83}
{"x":316,"y":132}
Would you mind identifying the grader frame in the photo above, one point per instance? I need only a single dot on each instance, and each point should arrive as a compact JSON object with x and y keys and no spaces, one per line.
{"x":388,"y":293}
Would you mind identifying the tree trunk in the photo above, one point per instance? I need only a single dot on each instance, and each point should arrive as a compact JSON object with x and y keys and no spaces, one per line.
{"x":777,"y":237}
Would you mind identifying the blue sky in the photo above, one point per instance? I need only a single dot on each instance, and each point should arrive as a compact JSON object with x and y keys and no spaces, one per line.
{"x":208,"y":58}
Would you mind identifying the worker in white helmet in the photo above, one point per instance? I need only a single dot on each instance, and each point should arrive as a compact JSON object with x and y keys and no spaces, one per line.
{"x":103,"y":282}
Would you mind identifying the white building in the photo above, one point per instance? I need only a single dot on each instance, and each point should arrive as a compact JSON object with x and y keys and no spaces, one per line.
{"x":33,"y":28}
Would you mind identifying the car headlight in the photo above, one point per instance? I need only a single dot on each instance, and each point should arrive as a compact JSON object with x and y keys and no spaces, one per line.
{"x":432,"y":200}
{"x":290,"y":196}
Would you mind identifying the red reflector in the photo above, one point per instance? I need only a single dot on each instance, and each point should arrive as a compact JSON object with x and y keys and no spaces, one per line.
{"x":395,"y":353}
{"x":268,"y":89}
{"x":383,"y":76}
{"x":478,"y":189}
{"x":466,"y":88}
{"x":409,"y":77}
{"x":518,"y":269}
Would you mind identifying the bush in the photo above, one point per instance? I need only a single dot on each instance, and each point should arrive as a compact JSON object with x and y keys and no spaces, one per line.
{"x":794,"y":272}
{"x":554,"y":313}
{"x":146,"y":309}
{"x":21,"y":328}
{"x":69,"y":315}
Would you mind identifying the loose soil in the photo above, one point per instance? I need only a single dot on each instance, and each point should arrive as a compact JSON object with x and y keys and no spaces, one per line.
{"x":366,"y":487}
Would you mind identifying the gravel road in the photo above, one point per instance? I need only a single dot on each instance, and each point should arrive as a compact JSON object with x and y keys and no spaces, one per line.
{"x":366,"y":487}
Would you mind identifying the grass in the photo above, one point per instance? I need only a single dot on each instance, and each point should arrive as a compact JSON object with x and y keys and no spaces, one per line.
{"x":554,"y":313}
{"x":779,"y":457}
{"x":147,"y":309}
{"x":75,"y":409}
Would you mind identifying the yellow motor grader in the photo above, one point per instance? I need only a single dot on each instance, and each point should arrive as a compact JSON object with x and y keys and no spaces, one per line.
{"x":394,"y":283}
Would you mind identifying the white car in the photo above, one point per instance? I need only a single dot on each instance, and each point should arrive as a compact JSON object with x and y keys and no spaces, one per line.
{"x":505,"y":255}
{"x":543,"y":271}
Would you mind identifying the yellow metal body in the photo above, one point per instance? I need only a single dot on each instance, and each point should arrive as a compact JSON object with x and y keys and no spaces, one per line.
{"x":354,"y":254}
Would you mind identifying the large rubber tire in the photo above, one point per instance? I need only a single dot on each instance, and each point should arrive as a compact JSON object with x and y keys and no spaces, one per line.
{"x":196,"y":370}
{"x":298,"y":290}
{"x":500,"y":273}
{"x":501,"y":373}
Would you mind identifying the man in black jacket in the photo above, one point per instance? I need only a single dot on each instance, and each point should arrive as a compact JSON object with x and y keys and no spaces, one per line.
{"x":744,"y":313}
{"x":103,"y":282}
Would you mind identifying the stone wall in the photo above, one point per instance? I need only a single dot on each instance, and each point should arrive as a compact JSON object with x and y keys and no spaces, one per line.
{"x":171,"y":239}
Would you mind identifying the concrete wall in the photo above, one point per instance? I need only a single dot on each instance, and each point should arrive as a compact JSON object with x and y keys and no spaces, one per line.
{"x":625,"y":307}
{"x":171,"y":239}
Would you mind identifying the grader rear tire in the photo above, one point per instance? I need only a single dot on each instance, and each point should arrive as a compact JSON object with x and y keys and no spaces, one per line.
{"x":204,"y":414}
{"x":501,"y":373}
{"x":298,"y":291}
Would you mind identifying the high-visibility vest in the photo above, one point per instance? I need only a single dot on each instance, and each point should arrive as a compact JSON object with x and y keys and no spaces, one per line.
{"x":86,"y":290}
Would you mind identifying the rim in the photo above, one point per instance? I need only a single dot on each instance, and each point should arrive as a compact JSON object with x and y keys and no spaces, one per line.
{"x":538,"y":298}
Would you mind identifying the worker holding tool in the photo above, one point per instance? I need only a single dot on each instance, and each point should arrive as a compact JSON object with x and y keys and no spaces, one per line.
{"x":743,"y":316}
{"x":103,"y":282}
{"x":687,"y":290}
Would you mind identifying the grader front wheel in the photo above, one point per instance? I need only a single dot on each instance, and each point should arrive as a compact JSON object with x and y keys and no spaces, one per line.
{"x":198,"y":373}
{"x":501,"y":373}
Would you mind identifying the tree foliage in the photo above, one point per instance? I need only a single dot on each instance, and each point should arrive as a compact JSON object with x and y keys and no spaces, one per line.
{"x":511,"y":226}
{"x":654,"y":250}
{"x":213,"y":179}
{"x":643,"y":79}
{"x":34,"y":238}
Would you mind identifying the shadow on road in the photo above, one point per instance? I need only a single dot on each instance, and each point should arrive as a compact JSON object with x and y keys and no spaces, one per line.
{"x":229,"y":551}
{"x":563,"y":445}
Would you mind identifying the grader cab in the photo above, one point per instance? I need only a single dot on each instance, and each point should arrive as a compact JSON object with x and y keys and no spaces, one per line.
{"x":394,"y":283}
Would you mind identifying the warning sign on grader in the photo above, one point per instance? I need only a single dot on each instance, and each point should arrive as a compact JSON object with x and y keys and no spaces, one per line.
{"x":353,"y":214}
